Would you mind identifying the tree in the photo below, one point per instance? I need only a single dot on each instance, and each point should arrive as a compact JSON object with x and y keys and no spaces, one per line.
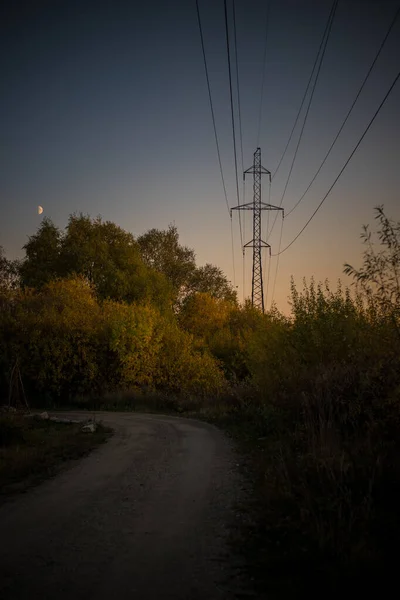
{"x":223,"y":328}
{"x":211,"y":280}
{"x":154,"y":268}
{"x":103,"y":253}
{"x":379,"y":276}
{"x":53,"y":333}
{"x":8,"y":272}
{"x":162,"y":251}
{"x":3,"y":269}
{"x":42,"y":260}
{"x":202,"y":315}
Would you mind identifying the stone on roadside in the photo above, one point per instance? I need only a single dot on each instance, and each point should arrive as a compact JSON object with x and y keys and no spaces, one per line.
{"x":89,"y":427}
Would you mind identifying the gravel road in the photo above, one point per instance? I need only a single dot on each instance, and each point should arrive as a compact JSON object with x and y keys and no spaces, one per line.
{"x":145,"y":516}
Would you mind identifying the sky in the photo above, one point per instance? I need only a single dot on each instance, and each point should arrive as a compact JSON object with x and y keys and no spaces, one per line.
{"x":104,"y":110}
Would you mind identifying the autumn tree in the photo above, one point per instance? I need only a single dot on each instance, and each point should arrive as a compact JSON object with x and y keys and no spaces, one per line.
{"x":109,"y":257}
{"x":379,"y":275}
{"x":4,"y":269}
{"x":103,"y":253}
{"x":202,"y":315}
{"x":223,"y":328}
{"x":9,"y":272}
{"x":42,"y":256}
{"x":162,"y":251}
{"x":211,"y":280}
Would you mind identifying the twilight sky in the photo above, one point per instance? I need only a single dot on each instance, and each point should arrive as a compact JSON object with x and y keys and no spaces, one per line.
{"x":104,"y":110}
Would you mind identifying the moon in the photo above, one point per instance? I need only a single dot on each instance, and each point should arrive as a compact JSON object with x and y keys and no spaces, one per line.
{"x":40,"y":210}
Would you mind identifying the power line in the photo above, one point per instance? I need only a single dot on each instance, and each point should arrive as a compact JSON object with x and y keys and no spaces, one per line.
{"x":233,"y":255}
{"x":244,"y":276}
{"x":269,"y":271}
{"x":277,"y":264}
{"x":244,"y":230}
{"x":238,"y":86}
{"x":232,"y":112}
{"x":345,"y":164}
{"x":306,"y":90}
{"x":327,"y":32}
{"x":265,"y":259}
{"x":263,"y":75}
{"x":310,"y":100}
{"x":211,"y":103}
{"x":350,"y":110}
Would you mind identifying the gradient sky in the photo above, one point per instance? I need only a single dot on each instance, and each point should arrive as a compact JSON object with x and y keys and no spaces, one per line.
{"x":104,"y":110}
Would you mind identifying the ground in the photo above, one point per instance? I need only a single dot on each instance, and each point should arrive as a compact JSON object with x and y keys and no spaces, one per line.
{"x":147,"y":515}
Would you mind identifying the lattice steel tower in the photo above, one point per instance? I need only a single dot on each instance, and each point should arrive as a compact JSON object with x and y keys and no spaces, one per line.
{"x":257,"y":243}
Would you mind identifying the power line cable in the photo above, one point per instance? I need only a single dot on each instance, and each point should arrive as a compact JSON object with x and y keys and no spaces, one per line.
{"x":266,"y":253}
{"x":232,"y":113}
{"x":305,"y":92}
{"x":244,"y":274}
{"x":269,"y":270}
{"x":211,"y":104}
{"x":238,"y":86}
{"x":277,"y":264}
{"x":244,"y":231}
{"x":344,"y":166}
{"x":264,"y":270}
{"x":350,"y":110}
{"x":233,"y":256}
{"x":263,"y":75}
{"x":327,"y":34}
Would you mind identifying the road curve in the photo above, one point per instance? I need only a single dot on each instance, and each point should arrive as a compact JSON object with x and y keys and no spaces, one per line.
{"x":145,"y":516}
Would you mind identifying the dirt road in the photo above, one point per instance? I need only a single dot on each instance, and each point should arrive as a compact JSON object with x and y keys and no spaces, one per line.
{"x":143,"y":517}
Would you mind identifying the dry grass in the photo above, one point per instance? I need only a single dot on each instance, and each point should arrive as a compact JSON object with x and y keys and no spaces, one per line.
{"x":32,"y":449}
{"x":325,"y":478}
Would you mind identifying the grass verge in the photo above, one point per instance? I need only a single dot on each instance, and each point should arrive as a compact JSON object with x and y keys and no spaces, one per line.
{"x":33,"y":449}
{"x":321,"y":512}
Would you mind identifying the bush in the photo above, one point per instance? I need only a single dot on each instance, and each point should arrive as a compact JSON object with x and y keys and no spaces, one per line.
{"x":71,"y":345}
{"x":330,"y":471}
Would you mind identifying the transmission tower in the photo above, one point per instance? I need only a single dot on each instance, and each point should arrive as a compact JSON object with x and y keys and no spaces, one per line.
{"x":257,"y":243}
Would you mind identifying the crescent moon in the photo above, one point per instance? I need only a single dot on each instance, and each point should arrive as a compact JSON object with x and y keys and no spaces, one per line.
{"x":40,"y":210}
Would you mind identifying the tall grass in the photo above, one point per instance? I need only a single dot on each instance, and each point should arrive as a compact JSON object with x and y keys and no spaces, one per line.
{"x":327,"y":472}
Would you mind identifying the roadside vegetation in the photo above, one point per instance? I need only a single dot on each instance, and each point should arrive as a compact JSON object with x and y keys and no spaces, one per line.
{"x":32,"y":449}
{"x":98,"y":319}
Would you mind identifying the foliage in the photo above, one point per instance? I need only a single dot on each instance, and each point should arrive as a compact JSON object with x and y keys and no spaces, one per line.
{"x":70,"y":345}
{"x":379,"y":276}
{"x":153,"y":269}
{"x":42,"y":260}
{"x":202,"y":315}
{"x":184,"y":369}
{"x":131,"y":337}
{"x":104,"y":254}
{"x":327,"y":474}
{"x":222,"y":327}
{"x":211,"y":280}
{"x":51,"y":330}
{"x":162,"y":251}
{"x":8,"y":273}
